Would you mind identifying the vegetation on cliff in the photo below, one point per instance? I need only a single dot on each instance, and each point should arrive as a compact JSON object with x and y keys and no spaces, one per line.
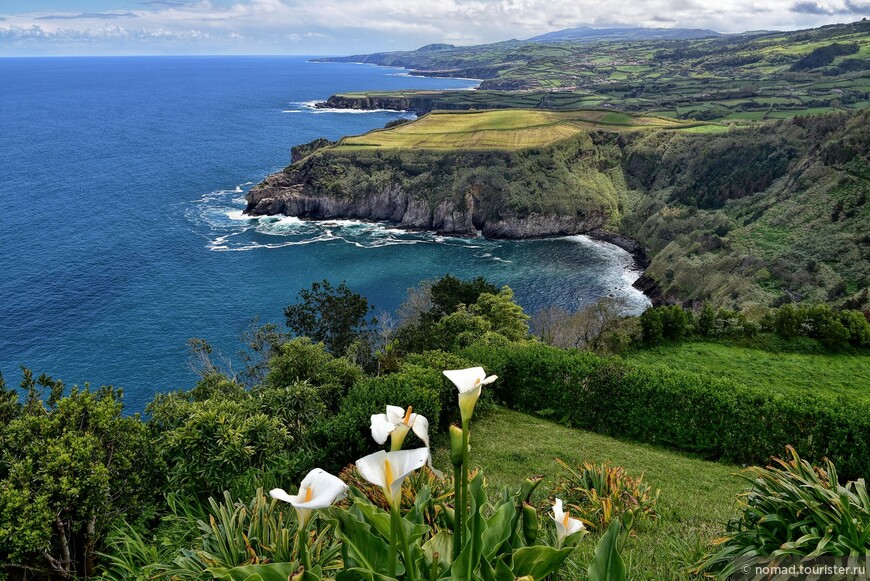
{"x":737,"y":215}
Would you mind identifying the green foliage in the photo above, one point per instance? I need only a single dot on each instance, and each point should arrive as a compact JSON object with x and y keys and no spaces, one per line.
{"x":599,"y":493}
{"x":345,"y":436}
{"x":503,"y":314}
{"x":824,"y":55}
{"x":608,"y":564}
{"x":69,"y":466}
{"x":451,"y":323}
{"x":449,"y":292}
{"x":335,"y":316}
{"x":301,"y":360}
{"x":231,"y":534}
{"x":795,"y":509}
{"x":652,"y":326}
{"x":218,"y":439}
{"x":713,"y":416}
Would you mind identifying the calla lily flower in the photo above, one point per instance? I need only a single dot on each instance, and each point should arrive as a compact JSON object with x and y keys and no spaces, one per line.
{"x":469,"y":383}
{"x":319,"y":489}
{"x":389,"y":469}
{"x":396,"y":424}
{"x":565,"y":525}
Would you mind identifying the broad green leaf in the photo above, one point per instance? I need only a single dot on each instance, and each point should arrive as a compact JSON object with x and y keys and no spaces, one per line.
{"x":607,"y":565}
{"x":539,"y":561}
{"x":370,"y":575}
{"x":498,"y":530}
{"x":360,"y":547}
{"x":441,"y":543}
{"x":270,"y":572}
{"x":380,"y":520}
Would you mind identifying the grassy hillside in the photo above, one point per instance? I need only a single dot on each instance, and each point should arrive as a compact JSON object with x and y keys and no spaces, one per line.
{"x":762,"y":76}
{"x":841,"y":374}
{"x":504,"y":129}
{"x":697,"y":497}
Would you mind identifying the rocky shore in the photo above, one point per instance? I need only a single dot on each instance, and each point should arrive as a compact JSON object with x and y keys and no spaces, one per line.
{"x":284,"y":193}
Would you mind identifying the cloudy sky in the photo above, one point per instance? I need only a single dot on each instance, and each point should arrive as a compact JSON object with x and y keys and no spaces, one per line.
{"x":86,"y":27}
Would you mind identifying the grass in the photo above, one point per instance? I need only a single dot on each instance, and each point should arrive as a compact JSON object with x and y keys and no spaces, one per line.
{"x":839,"y":374}
{"x":697,"y":497}
{"x":501,"y":129}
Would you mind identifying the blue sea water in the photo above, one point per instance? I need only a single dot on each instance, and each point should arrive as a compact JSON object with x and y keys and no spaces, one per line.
{"x":122,"y":182}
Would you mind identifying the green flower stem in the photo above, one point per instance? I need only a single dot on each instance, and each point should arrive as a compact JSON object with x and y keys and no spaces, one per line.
{"x":457,"y":512}
{"x":394,"y":529}
{"x":410,"y":566}
{"x":304,"y":556}
{"x":464,"y":485}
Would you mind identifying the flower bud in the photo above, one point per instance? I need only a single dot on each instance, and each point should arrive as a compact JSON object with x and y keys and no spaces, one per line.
{"x":528,"y":487}
{"x":449,"y":516}
{"x":456,"y":451}
{"x":531,"y":524}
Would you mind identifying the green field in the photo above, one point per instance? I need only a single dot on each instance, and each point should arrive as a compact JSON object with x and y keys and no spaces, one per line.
{"x":697,"y":497}
{"x":840,"y":374}
{"x":704,"y":79}
{"x":505,"y":129}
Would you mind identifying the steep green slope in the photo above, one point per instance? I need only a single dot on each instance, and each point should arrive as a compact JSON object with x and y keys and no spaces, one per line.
{"x":763,"y":215}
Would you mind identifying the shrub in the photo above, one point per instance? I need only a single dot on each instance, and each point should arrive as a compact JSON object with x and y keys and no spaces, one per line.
{"x":69,"y":466}
{"x":651,"y":326}
{"x":712,"y":416}
{"x":346,"y":436}
{"x":597,"y":494}
{"x":303,"y":360}
{"x":794,"y":509}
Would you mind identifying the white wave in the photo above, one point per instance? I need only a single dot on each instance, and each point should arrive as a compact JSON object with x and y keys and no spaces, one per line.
{"x":240,"y":215}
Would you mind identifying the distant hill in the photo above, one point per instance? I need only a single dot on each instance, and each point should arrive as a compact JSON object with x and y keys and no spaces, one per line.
{"x":587,"y":33}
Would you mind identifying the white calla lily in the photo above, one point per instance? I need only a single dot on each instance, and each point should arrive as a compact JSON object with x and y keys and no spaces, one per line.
{"x":319,"y":489}
{"x":396,"y":424}
{"x":565,"y":525}
{"x":389,"y":469}
{"x":469,"y":383}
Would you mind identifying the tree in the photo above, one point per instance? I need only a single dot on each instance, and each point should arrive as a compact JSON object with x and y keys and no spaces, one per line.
{"x":335,"y":316}
{"x":449,"y":292}
{"x":506,"y":317}
{"x":70,"y":466}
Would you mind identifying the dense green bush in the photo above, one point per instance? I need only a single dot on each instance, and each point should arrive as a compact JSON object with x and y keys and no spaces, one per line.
{"x":712,"y":416}
{"x":835,"y":329}
{"x":346,"y":435}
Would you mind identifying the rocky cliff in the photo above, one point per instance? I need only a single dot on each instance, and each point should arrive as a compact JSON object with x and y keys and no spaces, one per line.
{"x":283,"y":193}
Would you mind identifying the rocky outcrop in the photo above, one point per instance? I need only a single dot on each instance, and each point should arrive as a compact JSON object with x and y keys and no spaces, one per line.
{"x":283,"y":193}
{"x":370,"y":102}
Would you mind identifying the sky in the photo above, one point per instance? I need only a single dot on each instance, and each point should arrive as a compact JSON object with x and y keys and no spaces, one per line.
{"x":322,"y":27}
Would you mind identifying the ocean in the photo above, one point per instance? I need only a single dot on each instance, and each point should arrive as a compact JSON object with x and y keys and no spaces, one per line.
{"x":122,"y":181}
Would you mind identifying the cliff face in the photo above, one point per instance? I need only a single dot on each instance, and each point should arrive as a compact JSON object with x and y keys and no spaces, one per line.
{"x":563,"y":189}
{"x":284,"y":193}
{"x":419,"y":104}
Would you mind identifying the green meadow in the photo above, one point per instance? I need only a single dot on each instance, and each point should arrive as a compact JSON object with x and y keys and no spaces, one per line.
{"x":507,"y":129}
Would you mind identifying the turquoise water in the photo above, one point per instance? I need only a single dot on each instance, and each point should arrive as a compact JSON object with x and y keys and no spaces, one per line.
{"x":121,"y":236}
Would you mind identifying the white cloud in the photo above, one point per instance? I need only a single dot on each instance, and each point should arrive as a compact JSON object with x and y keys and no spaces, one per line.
{"x":367,"y":25}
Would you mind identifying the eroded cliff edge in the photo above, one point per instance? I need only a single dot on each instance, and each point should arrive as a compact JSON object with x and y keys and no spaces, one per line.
{"x":569,"y":188}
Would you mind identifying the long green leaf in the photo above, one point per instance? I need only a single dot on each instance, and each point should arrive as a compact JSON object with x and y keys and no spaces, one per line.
{"x":607,"y":565}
